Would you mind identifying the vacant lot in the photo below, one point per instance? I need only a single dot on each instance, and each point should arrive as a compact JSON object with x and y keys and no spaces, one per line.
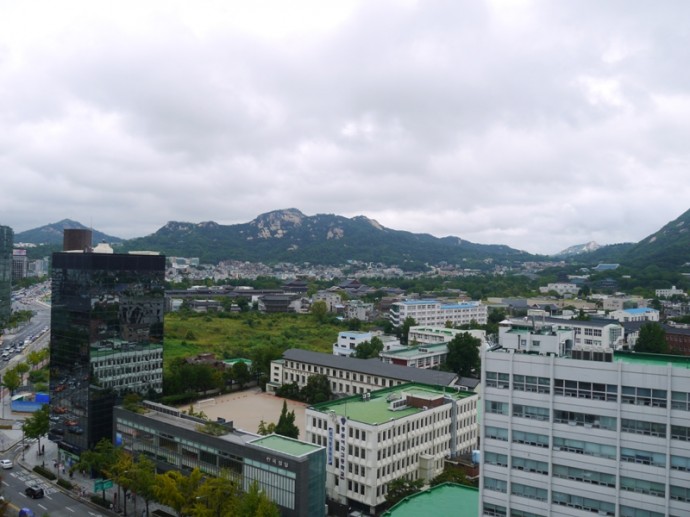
{"x":247,"y":408}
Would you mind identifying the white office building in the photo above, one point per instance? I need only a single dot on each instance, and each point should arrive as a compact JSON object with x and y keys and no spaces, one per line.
{"x":406,"y":431}
{"x":434,"y":312}
{"x":594,"y":432}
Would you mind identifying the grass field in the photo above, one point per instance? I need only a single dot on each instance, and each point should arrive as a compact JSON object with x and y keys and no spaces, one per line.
{"x":237,"y":334}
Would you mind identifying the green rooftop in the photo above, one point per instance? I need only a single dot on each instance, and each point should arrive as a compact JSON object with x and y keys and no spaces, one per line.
{"x":376,"y":410}
{"x":414,"y":350}
{"x":278,"y":443}
{"x":679,"y":361}
{"x":444,"y":500}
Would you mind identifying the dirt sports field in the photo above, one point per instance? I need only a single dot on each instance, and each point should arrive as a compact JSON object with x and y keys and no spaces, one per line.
{"x":247,"y":408}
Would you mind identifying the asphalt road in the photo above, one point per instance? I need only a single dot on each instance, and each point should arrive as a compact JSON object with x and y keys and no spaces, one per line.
{"x":55,"y":503}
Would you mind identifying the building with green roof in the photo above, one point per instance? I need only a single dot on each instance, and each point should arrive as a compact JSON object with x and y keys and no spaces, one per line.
{"x":445,"y":500}
{"x":376,"y":437}
{"x":291,"y":472}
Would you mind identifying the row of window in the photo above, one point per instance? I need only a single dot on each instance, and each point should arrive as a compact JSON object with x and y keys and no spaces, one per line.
{"x":495,"y":510}
{"x":590,"y":390}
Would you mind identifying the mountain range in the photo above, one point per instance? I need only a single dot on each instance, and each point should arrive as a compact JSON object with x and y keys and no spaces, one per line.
{"x":290,"y":236}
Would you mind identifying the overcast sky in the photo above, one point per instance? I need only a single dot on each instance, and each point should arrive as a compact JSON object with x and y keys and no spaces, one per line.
{"x":539,"y":125}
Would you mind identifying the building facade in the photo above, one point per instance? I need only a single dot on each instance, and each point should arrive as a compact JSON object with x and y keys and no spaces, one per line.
{"x":405,"y":431}
{"x":595,"y":431}
{"x":106,"y":339}
{"x":639,"y":314}
{"x":6,"y":243}
{"x":348,"y":375}
{"x":20,"y":264}
{"x":436,"y":313}
{"x":290,"y":472}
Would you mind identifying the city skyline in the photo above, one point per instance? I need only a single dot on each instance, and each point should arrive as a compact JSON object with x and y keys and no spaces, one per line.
{"x":538,"y":125}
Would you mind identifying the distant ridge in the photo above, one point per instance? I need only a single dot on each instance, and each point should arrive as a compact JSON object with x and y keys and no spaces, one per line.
{"x":578,"y":249}
{"x":51,"y":234}
{"x":290,"y":236}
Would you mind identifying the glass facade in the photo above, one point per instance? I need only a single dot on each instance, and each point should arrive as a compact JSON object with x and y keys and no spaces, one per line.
{"x":6,"y":242}
{"x":106,"y":340}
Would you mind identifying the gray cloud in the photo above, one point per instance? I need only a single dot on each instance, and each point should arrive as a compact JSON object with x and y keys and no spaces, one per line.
{"x":533,"y":124}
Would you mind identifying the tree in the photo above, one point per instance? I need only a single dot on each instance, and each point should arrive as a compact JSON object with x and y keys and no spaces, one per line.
{"x":369,"y":349}
{"x":38,"y":424}
{"x":463,"y":355}
{"x":319,"y":309}
{"x":317,"y":389}
{"x":240,"y":373}
{"x":256,"y":503}
{"x":652,"y":339}
{"x":122,"y":473}
{"x":144,"y":478}
{"x":400,"y":488}
{"x":21,"y":369}
{"x":98,"y":460}
{"x":286,"y":423}
{"x":11,"y":380}
{"x":405,"y":329}
{"x":178,"y":491}
{"x":265,"y":429}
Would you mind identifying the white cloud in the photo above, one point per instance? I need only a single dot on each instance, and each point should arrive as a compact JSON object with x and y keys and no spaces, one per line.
{"x":530,"y":123}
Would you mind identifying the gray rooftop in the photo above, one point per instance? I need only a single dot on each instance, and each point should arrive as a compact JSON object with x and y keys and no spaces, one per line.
{"x":372,"y":367}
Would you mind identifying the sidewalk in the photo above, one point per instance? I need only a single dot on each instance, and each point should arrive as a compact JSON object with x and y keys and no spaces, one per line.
{"x":83,"y":486}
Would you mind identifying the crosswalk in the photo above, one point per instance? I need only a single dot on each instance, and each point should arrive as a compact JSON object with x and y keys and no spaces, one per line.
{"x":29,"y":478}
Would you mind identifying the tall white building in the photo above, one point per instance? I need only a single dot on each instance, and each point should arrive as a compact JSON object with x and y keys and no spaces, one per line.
{"x":595,"y":431}
{"x":434,"y":312}
{"x":374,"y":438}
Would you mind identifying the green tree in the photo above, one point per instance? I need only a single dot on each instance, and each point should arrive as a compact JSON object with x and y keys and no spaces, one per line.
{"x":216,"y":497}
{"x":652,"y":339}
{"x":22,"y":369}
{"x":144,"y":479}
{"x":37,"y":424}
{"x":286,"y":423}
{"x":405,"y":329}
{"x":266,"y":429}
{"x":317,"y":389}
{"x":400,"y":488}
{"x":369,"y":349}
{"x":240,"y":373}
{"x":463,"y":355}
{"x":319,"y":310}
{"x":11,"y":380}
{"x":256,"y":503}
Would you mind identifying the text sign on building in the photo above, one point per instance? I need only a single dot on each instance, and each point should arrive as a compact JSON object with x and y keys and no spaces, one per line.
{"x":329,"y":449}
{"x":343,"y":435}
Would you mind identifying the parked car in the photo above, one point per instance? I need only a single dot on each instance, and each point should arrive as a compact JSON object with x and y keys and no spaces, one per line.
{"x":6,"y":464}
{"x":34,"y":492}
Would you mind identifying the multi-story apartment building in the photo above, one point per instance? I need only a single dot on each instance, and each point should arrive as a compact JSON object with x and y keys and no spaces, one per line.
{"x":348,"y":375}
{"x":560,"y":288}
{"x":434,"y":312}
{"x":374,"y":438}
{"x":596,"y":332}
{"x":6,"y":243}
{"x":593,"y":431}
{"x":291,"y":472}
{"x":106,"y":338}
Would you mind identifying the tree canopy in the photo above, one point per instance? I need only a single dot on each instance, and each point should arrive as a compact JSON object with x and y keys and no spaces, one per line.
{"x":652,"y":339}
{"x":463,"y":355}
{"x":369,"y":349}
{"x":286,"y":423}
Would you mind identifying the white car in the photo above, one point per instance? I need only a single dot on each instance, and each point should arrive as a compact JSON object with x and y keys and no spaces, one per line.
{"x":6,"y":464}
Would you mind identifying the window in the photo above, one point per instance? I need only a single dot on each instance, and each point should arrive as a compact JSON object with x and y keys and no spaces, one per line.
{"x":500,"y":408}
{"x":643,"y":486}
{"x":585,"y":419}
{"x":585,"y":476}
{"x":583,"y":503}
{"x":586,"y":448}
{"x":496,"y":485}
{"x":529,"y":491}
{"x":528,"y":465}
{"x":643,"y":457}
{"x":537,"y":440}
{"x":680,"y":433}
{"x":497,"y":433}
{"x":642,"y":427}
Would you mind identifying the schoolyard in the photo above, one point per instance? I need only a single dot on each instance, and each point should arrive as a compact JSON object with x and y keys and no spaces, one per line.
{"x":247,"y":408}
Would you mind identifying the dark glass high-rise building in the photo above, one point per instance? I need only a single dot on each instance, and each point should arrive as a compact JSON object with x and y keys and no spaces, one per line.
{"x":6,"y":243}
{"x":106,"y":339}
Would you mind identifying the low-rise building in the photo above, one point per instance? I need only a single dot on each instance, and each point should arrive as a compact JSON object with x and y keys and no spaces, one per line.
{"x":374,"y":438}
{"x":605,"y":333}
{"x":290,"y":472}
{"x":640,"y":314}
{"x":667,"y":293}
{"x":348,"y":375}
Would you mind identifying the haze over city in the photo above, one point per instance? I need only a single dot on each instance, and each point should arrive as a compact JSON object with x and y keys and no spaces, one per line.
{"x":535,"y":124}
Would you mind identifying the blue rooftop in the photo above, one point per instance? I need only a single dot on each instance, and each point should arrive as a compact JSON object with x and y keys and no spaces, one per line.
{"x":642,"y":310}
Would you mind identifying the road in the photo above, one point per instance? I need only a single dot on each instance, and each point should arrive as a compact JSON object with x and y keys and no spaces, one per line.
{"x":55,"y":503}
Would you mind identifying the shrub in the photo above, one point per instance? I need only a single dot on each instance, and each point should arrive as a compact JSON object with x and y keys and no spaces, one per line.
{"x":44,"y":472}
{"x":65,"y":483}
